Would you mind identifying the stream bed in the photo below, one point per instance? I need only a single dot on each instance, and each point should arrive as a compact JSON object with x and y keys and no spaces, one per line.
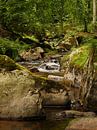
{"x":42,"y":124}
{"x":34,"y":125}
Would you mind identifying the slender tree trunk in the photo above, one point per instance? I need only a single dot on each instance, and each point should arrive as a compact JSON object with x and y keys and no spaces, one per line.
{"x":85,"y":26}
{"x":94,"y":14}
{"x":61,"y":16}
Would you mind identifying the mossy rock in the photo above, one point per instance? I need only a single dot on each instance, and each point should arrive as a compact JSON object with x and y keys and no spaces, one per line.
{"x":7,"y":63}
{"x":77,"y":58}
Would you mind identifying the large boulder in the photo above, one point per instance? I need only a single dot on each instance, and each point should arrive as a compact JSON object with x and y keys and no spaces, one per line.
{"x":33,"y":54}
{"x":83,"y":124}
{"x":17,"y":95}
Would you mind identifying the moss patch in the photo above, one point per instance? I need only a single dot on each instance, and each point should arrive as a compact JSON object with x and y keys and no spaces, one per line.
{"x":7,"y":63}
{"x":78,"y":56}
{"x":33,"y":38}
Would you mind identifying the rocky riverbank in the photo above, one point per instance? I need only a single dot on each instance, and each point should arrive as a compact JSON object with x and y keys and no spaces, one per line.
{"x":80,"y":77}
{"x":24,"y":94}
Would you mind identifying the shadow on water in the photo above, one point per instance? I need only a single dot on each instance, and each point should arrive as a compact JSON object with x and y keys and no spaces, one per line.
{"x":34,"y":125}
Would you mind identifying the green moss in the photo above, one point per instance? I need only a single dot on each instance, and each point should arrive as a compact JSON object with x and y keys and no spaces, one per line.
{"x":78,"y":56}
{"x":7,"y":63}
{"x":80,"y":59}
{"x":33,"y":38}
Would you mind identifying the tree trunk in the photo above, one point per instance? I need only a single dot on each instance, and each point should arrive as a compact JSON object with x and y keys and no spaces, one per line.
{"x":85,"y":26}
{"x":61,"y":16}
{"x":94,"y":13}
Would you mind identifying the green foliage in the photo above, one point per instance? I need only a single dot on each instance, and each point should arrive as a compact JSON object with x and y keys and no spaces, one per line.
{"x":11,"y":48}
{"x":31,"y":16}
{"x":16,"y":15}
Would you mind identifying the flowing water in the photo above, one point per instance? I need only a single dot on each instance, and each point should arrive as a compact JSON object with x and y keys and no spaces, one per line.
{"x":33,"y":125}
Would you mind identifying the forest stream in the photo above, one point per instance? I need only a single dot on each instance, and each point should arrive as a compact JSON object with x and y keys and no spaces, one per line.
{"x":48,"y":65}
